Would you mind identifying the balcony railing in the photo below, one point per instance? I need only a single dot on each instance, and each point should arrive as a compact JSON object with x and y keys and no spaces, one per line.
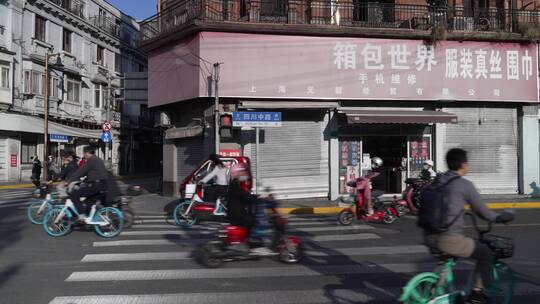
{"x":75,"y":7}
{"x":107,"y":24}
{"x":343,"y":13}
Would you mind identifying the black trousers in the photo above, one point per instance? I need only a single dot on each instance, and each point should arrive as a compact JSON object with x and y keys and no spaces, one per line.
{"x":212,"y":193}
{"x":87,"y":190}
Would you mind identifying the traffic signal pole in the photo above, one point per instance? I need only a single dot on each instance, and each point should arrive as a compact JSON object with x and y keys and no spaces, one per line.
{"x":216,"y":106}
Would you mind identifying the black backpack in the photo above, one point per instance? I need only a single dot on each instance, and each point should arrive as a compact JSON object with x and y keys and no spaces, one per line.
{"x":433,"y":212}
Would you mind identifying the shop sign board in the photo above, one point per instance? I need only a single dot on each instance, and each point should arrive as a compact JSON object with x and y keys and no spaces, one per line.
{"x":230,"y":152}
{"x":59,"y":138}
{"x":13,"y":161}
{"x":257,"y":119}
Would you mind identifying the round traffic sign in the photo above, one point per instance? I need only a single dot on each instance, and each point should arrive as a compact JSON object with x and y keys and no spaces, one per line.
{"x":106,"y":126}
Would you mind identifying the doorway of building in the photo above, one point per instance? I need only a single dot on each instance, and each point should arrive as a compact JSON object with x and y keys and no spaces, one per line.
{"x":393,"y":151}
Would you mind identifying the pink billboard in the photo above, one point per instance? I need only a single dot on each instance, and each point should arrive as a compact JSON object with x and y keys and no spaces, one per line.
{"x":301,"y":67}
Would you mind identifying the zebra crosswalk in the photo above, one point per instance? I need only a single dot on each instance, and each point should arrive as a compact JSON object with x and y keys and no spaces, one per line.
{"x":16,"y":198}
{"x":153,"y":263}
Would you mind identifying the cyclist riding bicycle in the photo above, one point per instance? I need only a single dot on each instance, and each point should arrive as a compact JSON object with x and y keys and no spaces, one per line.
{"x":96,"y":181}
{"x":453,"y":241}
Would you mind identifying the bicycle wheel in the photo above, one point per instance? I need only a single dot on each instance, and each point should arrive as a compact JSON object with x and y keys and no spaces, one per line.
{"x":60,"y":228}
{"x":421,"y":289}
{"x":114,"y":219}
{"x":37,"y":210}
{"x":180,"y":216}
{"x":502,"y":288}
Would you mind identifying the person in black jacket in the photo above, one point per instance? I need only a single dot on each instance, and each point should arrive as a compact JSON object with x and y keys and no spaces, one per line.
{"x":70,"y":168}
{"x":240,"y":203}
{"x":96,"y":180}
{"x":36,"y":171}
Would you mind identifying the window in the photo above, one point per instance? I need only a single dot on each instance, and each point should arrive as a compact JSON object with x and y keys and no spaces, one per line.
{"x":117,"y":63}
{"x":100,"y":95}
{"x":4,"y":82}
{"x":40,"y":26}
{"x":36,"y":83}
{"x":66,"y":41}
{"x":28,"y":149}
{"x":28,"y":82}
{"x":100,"y":57}
{"x":55,"y":87}
{"x":73,"y":90}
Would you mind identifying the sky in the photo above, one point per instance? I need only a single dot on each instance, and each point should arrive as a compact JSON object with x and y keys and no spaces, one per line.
{"x":138,"y":9}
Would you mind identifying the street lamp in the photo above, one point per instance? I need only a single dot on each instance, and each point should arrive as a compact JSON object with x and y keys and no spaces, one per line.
{"x":57,"y":65}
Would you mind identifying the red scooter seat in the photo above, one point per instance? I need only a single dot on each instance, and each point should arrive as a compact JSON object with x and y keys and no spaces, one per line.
{"x":236,"y":234}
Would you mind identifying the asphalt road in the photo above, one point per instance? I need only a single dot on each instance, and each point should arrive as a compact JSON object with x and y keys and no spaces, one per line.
{"x":152,"y":263}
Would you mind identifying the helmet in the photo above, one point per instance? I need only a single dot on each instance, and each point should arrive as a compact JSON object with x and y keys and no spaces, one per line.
{"x":429,"y":163}
{"x":376,"y":162}
{"x":239,"y":172}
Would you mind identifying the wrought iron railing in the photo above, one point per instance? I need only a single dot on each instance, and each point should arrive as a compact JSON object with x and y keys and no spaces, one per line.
{"x":107,"y":24}
{"x":75,"y":7}
{"x":336,"y":13}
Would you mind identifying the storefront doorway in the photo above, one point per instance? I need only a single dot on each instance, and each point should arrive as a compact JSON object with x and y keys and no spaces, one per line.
{"x":393,"y":151}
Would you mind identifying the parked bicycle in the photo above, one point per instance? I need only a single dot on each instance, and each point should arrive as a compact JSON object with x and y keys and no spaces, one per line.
{"x":438,"y":287}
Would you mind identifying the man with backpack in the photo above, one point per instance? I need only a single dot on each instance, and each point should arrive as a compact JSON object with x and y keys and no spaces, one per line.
{"x":442,"y":217}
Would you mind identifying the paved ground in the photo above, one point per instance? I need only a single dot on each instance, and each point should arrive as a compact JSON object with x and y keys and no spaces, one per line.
{"x":152,"y":263}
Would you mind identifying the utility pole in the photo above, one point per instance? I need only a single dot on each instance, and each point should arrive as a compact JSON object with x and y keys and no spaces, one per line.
{"x":108,"y":101}
{"x":46,"y":118}
{"x":46,"y":112}
{"x":216,"y":105}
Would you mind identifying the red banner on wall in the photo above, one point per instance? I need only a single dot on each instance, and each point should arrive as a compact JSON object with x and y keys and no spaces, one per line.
{"x":13,"y":161}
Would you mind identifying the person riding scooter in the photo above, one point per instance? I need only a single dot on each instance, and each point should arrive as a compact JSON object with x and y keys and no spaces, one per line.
{"x":427,"y":172}
{"x":365,"y":183}
{"x":242,"y":205}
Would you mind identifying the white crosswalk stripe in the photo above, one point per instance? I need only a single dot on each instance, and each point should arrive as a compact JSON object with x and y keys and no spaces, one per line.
{"x":154,"y":256}
{"x":359,"y":295}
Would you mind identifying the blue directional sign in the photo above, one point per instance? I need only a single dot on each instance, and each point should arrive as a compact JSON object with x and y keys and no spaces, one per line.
{"x":257,"y":119}
{"x":59,"y":138}
{"x":106,"y":137}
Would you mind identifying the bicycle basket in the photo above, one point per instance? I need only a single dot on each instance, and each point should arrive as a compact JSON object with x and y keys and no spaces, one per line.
{"x":503,"y":247}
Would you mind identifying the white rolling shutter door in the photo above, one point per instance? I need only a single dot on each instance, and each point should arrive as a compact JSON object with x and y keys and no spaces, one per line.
{"x":294,"y":159}
{"x":490,"y":136}
{"x":4,"y":165}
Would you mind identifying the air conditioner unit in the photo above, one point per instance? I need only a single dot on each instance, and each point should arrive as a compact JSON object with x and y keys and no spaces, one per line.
{"x":463,"y":23}
{"x":164,"y":119}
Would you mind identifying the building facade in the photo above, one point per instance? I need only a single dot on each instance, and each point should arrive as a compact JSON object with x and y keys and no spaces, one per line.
{"x":96,"y":44}
{"x":403,"y":81}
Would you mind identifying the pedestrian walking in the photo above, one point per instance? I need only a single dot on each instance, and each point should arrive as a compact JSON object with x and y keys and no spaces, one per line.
{"x":36,"y":171}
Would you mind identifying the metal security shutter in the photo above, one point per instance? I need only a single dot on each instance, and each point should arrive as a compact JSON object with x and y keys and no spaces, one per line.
{"x":294,"y":159}
{"x":490,"y":136}
{"x":190,"y":154}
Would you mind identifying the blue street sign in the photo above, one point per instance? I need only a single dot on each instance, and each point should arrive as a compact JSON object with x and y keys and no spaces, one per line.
{"x":59,"y":138}
{"x":106,"y":137}
{"x":256,"y":119}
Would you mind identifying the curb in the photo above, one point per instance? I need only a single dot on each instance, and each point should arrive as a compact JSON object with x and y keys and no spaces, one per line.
{"x":26,"y":186}
{"x":335,"y":210}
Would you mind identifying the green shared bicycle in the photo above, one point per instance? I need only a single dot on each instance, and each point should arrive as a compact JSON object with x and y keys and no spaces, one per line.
{"x":438,"y":287}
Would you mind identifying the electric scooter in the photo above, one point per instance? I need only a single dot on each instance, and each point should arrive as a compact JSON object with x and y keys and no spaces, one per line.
{"x":383,"y":211}
{"x":234,"y":244}
{"x":410,"y":201}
